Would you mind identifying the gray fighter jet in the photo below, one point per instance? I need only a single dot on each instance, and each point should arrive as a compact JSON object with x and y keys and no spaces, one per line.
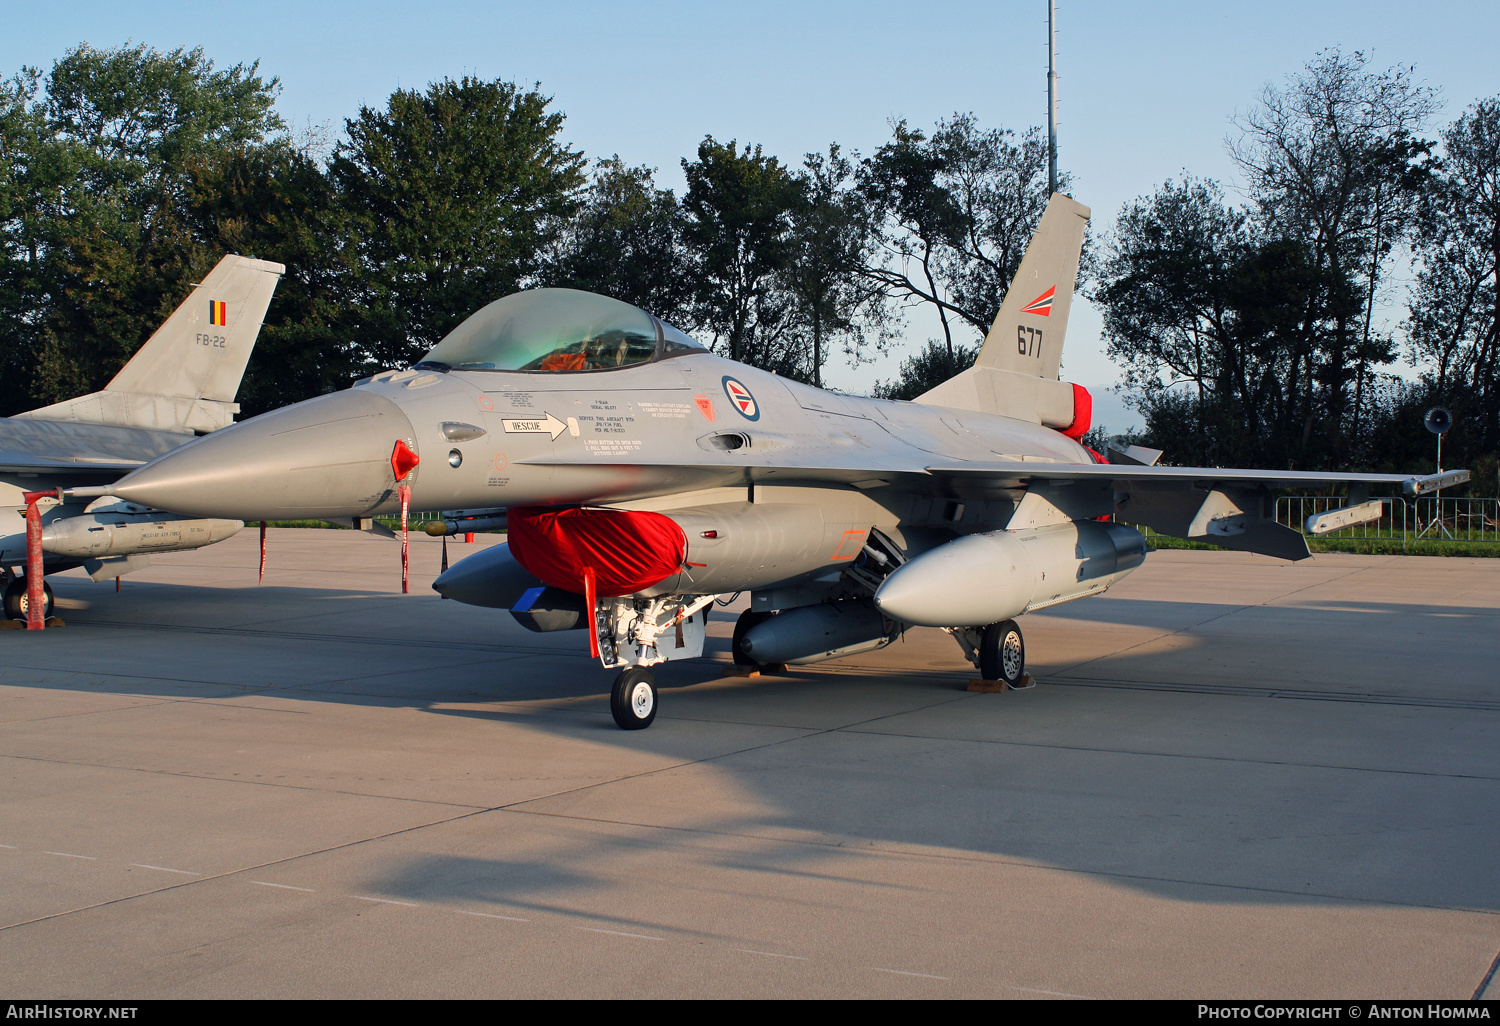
{"x":642,"y":477}
{"x":179,"y":385}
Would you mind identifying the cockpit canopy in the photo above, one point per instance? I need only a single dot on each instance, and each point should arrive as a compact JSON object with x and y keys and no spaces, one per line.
{"x":558,"y":330}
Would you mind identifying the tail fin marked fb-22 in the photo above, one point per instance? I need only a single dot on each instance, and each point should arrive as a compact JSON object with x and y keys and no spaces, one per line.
{"x":1016,"y":371}
{"x":185,"y":377}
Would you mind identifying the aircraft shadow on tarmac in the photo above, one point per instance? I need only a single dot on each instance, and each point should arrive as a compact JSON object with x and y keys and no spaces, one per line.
{"x":1171,"y":748}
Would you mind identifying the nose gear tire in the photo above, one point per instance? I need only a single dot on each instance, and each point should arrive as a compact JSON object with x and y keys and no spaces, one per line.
{"x":632,"y":701}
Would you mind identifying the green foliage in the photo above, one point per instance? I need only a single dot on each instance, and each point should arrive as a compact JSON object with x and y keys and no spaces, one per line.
{"x":453,"y":193}
{"x":954,"y":213}
{"x":832,"y":240}
{"x":626,"y":242}
{"x":926,"y":370}
{"x":738,"y":210}
{"x":273,"y":202}
{"x":1455,"y":306}
{"x":95,"y":249}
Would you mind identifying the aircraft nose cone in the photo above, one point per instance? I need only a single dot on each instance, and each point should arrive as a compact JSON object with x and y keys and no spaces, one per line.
{"x":326,"y":457}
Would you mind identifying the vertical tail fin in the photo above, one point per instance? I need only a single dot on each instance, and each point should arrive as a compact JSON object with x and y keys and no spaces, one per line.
{"x":1016,"y":371}
{"x":1027,"y":336}
{"x":186,"y":375}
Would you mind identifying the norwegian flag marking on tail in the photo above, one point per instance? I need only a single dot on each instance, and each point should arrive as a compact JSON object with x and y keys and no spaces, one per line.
{"x":1041,"y":305}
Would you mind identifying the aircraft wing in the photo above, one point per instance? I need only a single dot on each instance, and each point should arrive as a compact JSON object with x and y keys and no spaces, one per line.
{"x":1127,"y":477}
{"x":12,"y":462}
{"x":1229,"y":507}
{"x":1001,"y":476}
{"x":101,"y":452}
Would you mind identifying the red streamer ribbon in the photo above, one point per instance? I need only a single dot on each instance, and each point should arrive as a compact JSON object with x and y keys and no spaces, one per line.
{"x":588,"y":605}
{"x":405,"y":492}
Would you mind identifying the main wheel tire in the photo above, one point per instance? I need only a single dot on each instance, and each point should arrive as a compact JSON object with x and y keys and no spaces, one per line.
{"x":16,"y":601}
{"x":748,"y":620}
{"x":1002,"y":653}
{"x":632,"y":701}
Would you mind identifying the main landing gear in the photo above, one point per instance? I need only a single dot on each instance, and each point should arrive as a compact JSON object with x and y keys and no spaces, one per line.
{"x":1002,"y":653}
{"x":998,"y":652}
{"x":632,"y":701}
{"x":16,"y":600}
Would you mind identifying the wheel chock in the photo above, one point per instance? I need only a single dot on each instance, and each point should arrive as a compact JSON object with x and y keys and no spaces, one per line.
{"x":55,"y":621}
{"x":773,"y":670}
{"x":12,"y":625}
{"x":995,"y":687}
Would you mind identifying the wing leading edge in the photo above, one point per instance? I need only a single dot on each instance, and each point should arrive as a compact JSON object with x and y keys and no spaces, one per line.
{"x":1230,"y":507}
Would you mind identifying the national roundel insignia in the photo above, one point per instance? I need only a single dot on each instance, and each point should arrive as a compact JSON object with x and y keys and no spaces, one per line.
{"x":741,"y":399}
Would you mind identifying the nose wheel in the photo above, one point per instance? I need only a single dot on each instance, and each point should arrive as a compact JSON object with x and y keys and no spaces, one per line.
{"x":1002,"y":653}
{"x":632,"y":701}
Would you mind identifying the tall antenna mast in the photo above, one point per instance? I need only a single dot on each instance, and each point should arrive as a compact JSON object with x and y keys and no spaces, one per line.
{"x":1051,"y":96}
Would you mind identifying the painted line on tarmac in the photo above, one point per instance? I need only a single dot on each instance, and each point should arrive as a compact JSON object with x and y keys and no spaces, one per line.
{"x":773,"y":954}
{"x":619,"y":933}
{"x":1054,"y":993}
{"x":387,"y":901}
{"x":492,"y":915}
{"x":285,"y":887}
{"x":164,"y":869}
{"x":70,"y":855}
{"x":904,"y":972}
{"x":1241,"y":691}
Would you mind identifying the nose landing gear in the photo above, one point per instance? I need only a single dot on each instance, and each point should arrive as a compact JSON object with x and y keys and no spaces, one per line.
{"x":632,"y":701}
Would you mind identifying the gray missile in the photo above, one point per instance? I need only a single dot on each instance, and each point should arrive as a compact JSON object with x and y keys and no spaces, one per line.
{"x":103,"y":535}
{"x":987,"y":578}
{"x":810,"y":634}
{"x":490,"y":577}
{"x":329,"y":456}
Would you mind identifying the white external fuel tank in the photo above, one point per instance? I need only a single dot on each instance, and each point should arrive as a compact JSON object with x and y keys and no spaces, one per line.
{"x":103,"y":535}
{"x":986,"y":578}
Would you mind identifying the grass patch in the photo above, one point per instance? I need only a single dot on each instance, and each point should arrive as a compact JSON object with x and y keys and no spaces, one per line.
{"x":1359,"y":546}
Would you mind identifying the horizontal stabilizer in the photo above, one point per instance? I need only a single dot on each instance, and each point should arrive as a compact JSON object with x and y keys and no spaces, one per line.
{"x":1135,"y":456}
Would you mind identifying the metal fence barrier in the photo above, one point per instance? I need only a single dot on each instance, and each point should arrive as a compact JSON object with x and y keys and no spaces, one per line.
{"x":1430,"y":518}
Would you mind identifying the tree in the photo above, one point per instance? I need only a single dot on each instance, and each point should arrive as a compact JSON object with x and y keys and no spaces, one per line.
{"x":1198,"y":294}
{"x":1333,"y":161}
{"x":1454,"y":326}
{"x":96,"y":171}
{"x":626,"y":242}
{"x":29,"y":182}
{"x":926,"y":370}
{"x":455,"y":193}
{"x":962,"y":206}
{"x":738,"y":210}
{"x":273,"y":202}
{"x":831,"y":237}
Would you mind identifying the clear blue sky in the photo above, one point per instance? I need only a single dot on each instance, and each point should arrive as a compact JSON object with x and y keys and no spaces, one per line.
{"x":1147,"y":89}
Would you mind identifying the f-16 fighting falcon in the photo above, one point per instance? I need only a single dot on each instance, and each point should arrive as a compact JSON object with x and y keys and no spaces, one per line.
{"x":179,"y":385}
{"x":642,"y":476}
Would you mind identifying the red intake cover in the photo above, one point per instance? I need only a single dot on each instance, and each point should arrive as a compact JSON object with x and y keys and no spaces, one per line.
{"x":628,"y":550}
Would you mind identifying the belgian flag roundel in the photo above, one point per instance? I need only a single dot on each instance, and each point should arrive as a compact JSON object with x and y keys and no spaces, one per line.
{"x":218,"y":313}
